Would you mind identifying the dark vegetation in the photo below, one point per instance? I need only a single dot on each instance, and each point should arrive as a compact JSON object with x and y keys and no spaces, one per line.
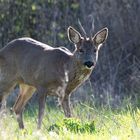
{"x":117,"y":74}
{"x":73,"y":125}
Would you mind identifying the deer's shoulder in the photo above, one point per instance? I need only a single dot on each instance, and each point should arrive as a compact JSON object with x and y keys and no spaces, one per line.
{"x":65,"y":51}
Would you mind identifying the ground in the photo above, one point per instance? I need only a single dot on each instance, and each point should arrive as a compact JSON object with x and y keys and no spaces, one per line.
{"x":110,"y":124}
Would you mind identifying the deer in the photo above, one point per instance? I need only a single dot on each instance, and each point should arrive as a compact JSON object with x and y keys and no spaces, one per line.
{"x":54,"y":71}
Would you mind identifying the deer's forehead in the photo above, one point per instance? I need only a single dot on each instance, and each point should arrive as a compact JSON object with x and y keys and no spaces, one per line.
{"x":87,"y":41}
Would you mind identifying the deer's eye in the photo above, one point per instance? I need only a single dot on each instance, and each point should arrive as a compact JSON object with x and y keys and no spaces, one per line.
{"x":81,"y":50}
{"x":95,"y":50}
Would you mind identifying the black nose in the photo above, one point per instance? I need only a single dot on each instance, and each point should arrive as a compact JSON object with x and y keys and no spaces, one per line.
{"x":89,"y":64}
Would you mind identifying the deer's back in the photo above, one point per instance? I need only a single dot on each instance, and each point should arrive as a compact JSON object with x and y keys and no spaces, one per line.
{"x":34,"y":62}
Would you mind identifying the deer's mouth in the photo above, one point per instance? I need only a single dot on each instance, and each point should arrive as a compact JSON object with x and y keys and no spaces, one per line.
{"x":89,"y":64}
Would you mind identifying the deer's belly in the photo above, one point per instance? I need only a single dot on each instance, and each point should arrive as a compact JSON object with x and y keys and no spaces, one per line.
{"x":56,"y":89}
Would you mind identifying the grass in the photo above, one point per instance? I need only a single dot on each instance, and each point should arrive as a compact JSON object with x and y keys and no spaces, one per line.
{"x":122,"y":124}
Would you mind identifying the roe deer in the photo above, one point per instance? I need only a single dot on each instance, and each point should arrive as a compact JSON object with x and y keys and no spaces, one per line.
{"x":35,"y":66}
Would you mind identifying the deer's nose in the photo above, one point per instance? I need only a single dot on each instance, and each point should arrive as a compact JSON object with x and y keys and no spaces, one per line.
{"x":89,"y":64}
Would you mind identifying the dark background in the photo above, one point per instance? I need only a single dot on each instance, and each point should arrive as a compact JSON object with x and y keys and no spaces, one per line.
{"x":117,"y":74}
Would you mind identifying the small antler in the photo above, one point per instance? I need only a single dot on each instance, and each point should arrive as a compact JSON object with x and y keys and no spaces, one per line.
{"x":82,"y":29}
{"x":92,"y":27}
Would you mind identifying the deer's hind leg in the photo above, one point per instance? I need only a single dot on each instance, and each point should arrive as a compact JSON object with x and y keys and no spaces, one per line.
{"x":25,"y":94}
{"x":5,"y":89}
{"x":7,"y":82}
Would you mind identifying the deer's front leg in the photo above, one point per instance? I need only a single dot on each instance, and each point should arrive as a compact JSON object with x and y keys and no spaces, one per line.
{"x":42,"y":100}
{"x":65,"y":102}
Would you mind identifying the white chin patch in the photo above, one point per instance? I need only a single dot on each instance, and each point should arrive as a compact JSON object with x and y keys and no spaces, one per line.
{"x":89,"y":67}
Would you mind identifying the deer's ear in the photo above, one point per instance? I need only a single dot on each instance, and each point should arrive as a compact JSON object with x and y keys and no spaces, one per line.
{"x":73,"y":35}
{"x":101,"y":36}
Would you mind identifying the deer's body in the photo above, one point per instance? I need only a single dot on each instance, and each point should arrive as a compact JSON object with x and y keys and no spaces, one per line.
{"x":26,"y":62}
{"x":49,"y":71}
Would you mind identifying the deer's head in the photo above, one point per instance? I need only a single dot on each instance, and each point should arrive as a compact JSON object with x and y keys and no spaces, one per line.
{"x":87,"y":47}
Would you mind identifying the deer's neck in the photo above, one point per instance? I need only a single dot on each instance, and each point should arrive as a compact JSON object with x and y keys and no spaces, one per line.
{"x":78,"y":73}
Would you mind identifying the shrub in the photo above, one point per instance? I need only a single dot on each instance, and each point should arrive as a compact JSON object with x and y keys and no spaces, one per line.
{"x":73,"y":125}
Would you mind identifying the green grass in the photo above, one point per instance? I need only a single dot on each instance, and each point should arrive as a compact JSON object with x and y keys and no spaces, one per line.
{"x":122,"y":124}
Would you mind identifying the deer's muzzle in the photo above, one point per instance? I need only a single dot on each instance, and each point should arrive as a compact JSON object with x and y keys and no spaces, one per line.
{"x":89,"y":64}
